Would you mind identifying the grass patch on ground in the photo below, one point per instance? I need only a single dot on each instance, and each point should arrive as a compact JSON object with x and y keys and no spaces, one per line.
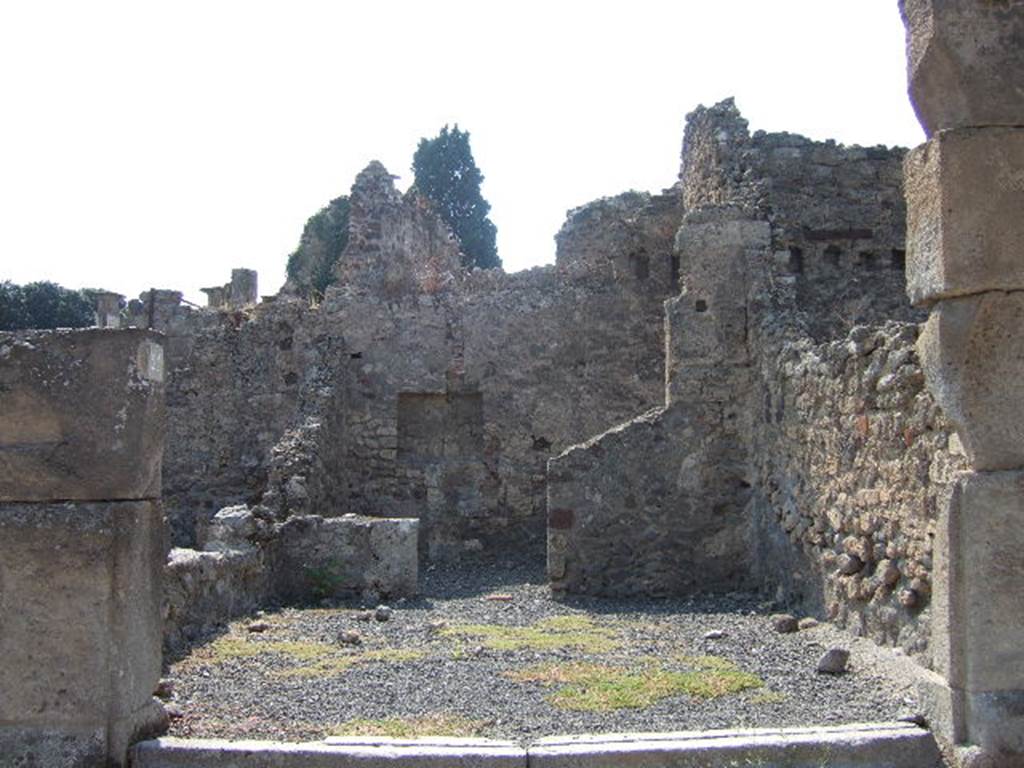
{"x":412,"y":727}
{"x":231,"y":648}
{"x":600,"y":688}
{"x":311,"y":659}
{"x":558,"y":632}
{"x":768,"y":697}
{"x":335,"y":664}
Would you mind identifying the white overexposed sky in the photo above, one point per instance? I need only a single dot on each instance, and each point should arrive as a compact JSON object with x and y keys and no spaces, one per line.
{"x":159,"y":144}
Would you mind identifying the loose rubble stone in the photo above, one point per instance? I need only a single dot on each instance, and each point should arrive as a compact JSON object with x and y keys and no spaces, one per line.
{"x":382,"y":613}
{"x":350,"y":637}
{"x":785,"y":623}
{"x":164,"y":689}
{"x":834,"y":661}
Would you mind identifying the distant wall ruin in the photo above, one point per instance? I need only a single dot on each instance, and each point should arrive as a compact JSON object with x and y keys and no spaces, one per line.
{"x":417,"y":390}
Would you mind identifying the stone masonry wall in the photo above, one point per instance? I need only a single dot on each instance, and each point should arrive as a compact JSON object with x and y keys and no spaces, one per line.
{"x":838,"y":457}
{"x":853,"y":459}
{"x":849,"y":454}
{"x":306,"y":409}
{"x":837,"y":213}
{"x":508,"y":369}
{"x":656,"y":505}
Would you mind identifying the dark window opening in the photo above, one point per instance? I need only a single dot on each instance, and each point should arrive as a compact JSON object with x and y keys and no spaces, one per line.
{"x":867,"y":260}
{"x":675,"y":273}
{"x":700,"y":305}
{"x":640,"y":264}
{"x":796,"y":260}
{"x":899,"y":260}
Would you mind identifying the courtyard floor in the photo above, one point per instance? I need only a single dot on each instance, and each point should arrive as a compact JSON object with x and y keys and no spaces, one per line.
{"x":486,"y":651}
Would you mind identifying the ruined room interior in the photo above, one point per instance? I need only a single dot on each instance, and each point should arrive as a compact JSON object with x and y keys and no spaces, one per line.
{"x":788,"y":382}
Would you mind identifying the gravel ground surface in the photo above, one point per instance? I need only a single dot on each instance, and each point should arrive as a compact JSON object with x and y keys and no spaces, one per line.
{"x":257,"y":693}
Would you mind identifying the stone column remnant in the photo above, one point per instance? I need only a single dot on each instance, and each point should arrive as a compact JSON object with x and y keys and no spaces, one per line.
{"x":965,"y":261}
{"x":81,"y":544}
{"x":243,"y":289}
{"x":108,"y":309}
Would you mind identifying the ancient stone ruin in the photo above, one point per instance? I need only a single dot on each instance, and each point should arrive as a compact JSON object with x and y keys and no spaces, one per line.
{"x":720,"y":387}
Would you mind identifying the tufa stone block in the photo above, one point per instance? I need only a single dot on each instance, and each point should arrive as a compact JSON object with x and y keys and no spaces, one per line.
{"x":80,"y":608}
{"x":979,"y":585}
{"x":965,"y":231}
{"x":707,"y":323}
{"x":972,"y":355}
{"x":964,"y":62}
{"x":316,"y":557}
{"x":81,"y":415}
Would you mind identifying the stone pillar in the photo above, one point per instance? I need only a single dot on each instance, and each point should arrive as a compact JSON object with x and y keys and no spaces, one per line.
{"x":108,"y":309}
{"x":81,"y":544}
{"x":965,"y":261}
{"x":243,"y":290}
{"x":215,"y":297}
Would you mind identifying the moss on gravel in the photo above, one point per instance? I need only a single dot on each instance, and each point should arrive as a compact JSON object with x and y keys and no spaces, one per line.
{"x":313,"y":659}
{"x":600,"y":688}
{"x":554,"y":633}
{"x":440,"y":724}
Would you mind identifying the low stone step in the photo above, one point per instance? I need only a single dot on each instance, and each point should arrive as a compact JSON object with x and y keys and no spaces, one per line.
{"x":344,"y":752}
{"x":872,"y":745}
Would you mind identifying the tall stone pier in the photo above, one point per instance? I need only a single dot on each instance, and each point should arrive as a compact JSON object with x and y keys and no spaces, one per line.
{"x":965,"y":262}
{"x":81,"y":544}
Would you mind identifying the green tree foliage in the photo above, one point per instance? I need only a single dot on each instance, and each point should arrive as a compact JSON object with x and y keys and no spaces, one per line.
{"x":311,"y":266}
{"x":446,"y":173}
{"x":43,"y":305}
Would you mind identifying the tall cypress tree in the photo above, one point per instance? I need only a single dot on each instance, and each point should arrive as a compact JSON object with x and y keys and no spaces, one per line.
{"x":447,"y":174}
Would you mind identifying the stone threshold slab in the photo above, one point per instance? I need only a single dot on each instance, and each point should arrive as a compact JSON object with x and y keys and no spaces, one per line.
{"x":874,"y":745}
{"x":333,"y":753}
{"x":862,"y":745}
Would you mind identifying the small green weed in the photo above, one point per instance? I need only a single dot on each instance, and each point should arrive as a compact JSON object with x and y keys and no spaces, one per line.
{"x":324,"y":580}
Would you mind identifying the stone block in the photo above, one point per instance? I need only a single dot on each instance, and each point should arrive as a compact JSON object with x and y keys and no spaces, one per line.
{"x":964,"y":62}
{"x":707,"y":322}
{"x":80,"y":596}
{"x":69,"y":747}
{"x":316,"y":557}
{"x":333,"y":753}
{"x":872,"y":745}
{"x":81,"y":415}
{"x":203,"y":589}
{"x":972,"y":355}
{"x":978,"y":611}
{"x":965,"y":232}
{"x":991,"y":722}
